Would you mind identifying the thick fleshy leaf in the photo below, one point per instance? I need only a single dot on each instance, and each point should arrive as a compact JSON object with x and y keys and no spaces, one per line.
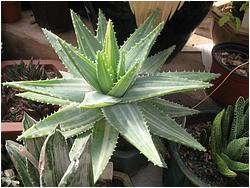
{"x":163,"y":126}
{"x":71,"y":89}
{"x":199,"y":76}
{"x":54,"y":159}
{"x":126,"y":81}
{"x":141,"y":32}
{"x":140,"y":51}
{"x":34,"y":147}
{"x":101,"y":27}
{"x":129,"y":121}
{"x":66,"y":75}
{"x":104,"y":140}
{"x":153,"y":86}
{"x":79,"y":172}
{"x":111,"y":50}
{"x":85,"y":66}
{"x":121,"y":65}
{"x":87,"y":43}
{"x":95,"y":99}
{"x":105,"y":79}
{"x":170,"y":108}
{"x":37,"y":97}
{"x":18,"y":159}
{"x":69,"y":118}
{"x":154,"y":63}
{"x":54,"y":41}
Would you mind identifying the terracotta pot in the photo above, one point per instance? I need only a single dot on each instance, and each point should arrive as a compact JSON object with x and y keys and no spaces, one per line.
{"x":236,"y":85}
{"x":11,"y":11}
{"x":10,"y":130}
{"x":227,"y":32}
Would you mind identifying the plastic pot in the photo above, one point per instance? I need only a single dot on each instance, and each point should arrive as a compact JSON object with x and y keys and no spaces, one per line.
{"x":178,"y":174}
{"x":236,"y":85}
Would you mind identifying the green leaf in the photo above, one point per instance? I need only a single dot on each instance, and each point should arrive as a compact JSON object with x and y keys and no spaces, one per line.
{"x":153,"y":86}
{"x":101,"y":27}
{"x":87,"y":43}
{"x":154,"y":63}
{"x":69,"y":118}
{"x":141,"y":32}
{"x":54,"y":41}
{"x":79,"y":172}
{"x":86,"y":67}
{"x":222,"y":167}
{"x":226,"y":123}
{"x":163,"y":126}
{"x":111,"y":50}
{"x":170,"y":108}
{"x":68,"y":89}
{"x":235,"y":148}
{"x":126,"y":81}
{"x":140,"y":51}
{"x":129,"y":121}
{"x":198,"y":76}
{"x":43,"y":98}
{"x":224,"y":19}
{"x":238,"y":121}
{"x":235,"y":165}
{"x":104,"y":139}
{"x":95,"y":99}
{"x":54,"y":159}
{"x":216,"y":139}
{"x":19,"y":161}
{"x":121,"y":65}
{"x":105,"y":80}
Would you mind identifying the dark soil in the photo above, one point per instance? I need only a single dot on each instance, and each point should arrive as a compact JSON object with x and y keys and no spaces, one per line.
{"x":201,"y":162}
{"x":232,"y":60}
{"x":14,"y":107}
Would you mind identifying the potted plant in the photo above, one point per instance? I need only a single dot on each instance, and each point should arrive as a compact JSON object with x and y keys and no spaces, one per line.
{"x":14,"y":107}
{"x":226,"y":57}
{"x":111,"y":91}
{"x":230,"y":22}
{"x":213,"y":167}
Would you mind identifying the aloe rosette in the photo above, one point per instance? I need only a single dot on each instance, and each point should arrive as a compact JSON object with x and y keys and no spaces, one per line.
{"x":114,"y":90}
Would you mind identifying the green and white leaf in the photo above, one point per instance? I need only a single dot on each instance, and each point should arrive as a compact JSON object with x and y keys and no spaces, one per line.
{"x":79,"y":172}
{"x":140,"y":51}
{"x":170,"y":108}
{"x":54,"y":159}
{"x":101,"y":27}
{"x":37,"y":97}
{"x":163,"y":126}
{"x":141,"y":32}
{"x":95,"y":99}
{"x":104,"y":140}
{"x":153,"y":86}
{"x":129,"y":121}
{"x":85,"y":66}
{"x":54,"y":41}
{"x":69,"y":118}
{"x":68,"y":89}
{"x":87,"y":43}
{"x":154,"y":63}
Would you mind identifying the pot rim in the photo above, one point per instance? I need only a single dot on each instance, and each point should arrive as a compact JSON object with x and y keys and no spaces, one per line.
{"x":229,"y":46}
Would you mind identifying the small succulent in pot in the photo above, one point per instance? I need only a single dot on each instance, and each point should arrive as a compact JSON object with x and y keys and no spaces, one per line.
{"x":114,"y":90}
{"x":230,"y":139}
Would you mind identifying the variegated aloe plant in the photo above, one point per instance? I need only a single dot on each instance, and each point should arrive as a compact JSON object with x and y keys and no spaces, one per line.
{"x":114,"y":90}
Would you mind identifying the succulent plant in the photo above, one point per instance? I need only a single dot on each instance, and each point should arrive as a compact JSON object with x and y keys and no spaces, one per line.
{"x":51,"y":161}
{"x":114,"y":90}
{"x":229,"y":139}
